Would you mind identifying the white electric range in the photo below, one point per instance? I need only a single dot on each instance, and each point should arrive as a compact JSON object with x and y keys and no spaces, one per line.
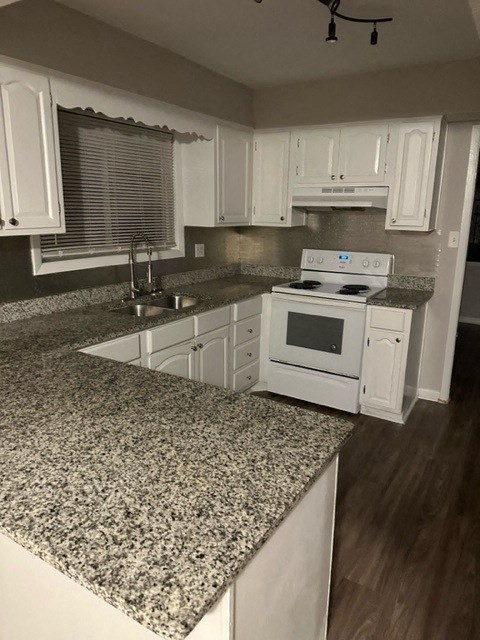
{"x":318,"y":323}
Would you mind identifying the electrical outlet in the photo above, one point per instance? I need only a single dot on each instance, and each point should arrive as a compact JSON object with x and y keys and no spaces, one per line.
{"x":453,"y":239}
{"x":199,"y":251}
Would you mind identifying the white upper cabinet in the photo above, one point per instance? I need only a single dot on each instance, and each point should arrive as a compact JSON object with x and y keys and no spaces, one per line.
{"x":271,"y":193}
{"x":363,"y":154}
{"x":216,"y":178}
{"x":316,"y":153}
{"x":234,"y":159}
{"x":30,"y":184}
{"x":416,"y":176}
{"x":344,"y":155}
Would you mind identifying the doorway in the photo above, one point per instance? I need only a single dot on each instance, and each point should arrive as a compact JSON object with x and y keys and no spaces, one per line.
{"x":471,"y":190}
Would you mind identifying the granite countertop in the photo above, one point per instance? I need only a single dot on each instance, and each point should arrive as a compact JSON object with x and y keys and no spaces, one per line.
{"x":150,"y":490}
{"x":401,"y":298}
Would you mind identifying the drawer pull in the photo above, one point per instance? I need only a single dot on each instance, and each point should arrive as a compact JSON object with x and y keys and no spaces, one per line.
{"x":200,"y":346}
{"x":194,"y":348}
{"x":249,"y":355}
{"x":13,"y":222}
{"x":397,"y":339}
{"x":250,"y":330}
{"x":249,"y":377}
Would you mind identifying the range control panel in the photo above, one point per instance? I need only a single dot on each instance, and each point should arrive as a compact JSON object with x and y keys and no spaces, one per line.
{"x":379,"y":264}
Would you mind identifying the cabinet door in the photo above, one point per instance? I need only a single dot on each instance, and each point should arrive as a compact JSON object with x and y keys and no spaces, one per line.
{"x":415,"y":164}
{"x":234,"y":176}
{"x":315,"y":153}
{"x":363,"y":153}
{"x":213,"y":357}
{"x":270,"y":178}
{"x":382,"y":370}
{"x":178,"y":360}
{"x":30,"y":192}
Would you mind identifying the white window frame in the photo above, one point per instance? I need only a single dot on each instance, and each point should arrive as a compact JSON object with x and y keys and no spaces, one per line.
{"x":41,"y":268}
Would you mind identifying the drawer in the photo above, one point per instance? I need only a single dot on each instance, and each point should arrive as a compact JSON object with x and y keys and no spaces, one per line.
{"x":169,"y":335}
{"x":246,"y":330}
{"x":246,"y":353}
{"x":122,"y":349}
{"x":212,"y":320}
{"x":392,"y":319}
{"x":246,"y":377}
{"x":247,"y":308}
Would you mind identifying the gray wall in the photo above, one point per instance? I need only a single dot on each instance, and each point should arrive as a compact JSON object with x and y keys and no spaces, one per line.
{"x":415,"y":253}
{"x":45,"y":33}
{"x":451,"y":88}
{"x":17,"y":280}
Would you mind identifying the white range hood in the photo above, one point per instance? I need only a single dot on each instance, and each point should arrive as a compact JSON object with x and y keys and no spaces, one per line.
{"x":328,"y":198}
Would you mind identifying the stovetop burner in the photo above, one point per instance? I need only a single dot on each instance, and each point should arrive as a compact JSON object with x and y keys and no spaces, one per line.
{"x":355,"y":287}
{"x":305,"y":284}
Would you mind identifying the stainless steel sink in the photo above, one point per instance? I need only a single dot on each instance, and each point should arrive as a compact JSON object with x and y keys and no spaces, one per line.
{"x":156,"y":306}
{"x":174,"y":301}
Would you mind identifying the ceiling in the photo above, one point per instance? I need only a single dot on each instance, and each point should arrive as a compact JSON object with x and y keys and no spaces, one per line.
{"x":283,"y":41}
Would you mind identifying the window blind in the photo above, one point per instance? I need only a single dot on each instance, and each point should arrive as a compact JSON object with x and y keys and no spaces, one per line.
{"x":118,"y":179}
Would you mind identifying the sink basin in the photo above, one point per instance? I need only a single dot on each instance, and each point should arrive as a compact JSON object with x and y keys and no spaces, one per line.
{"x":174,"y":301}
{"x":171,"y":302}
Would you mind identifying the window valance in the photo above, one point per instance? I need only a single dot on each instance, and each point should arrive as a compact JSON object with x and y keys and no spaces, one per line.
{"x":114,"y":103}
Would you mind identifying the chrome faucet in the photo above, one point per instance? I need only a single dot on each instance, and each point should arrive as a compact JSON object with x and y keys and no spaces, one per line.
{"x":134,"y":288}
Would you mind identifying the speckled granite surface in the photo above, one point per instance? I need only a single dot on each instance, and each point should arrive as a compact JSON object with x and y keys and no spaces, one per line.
{"x":150,"y":490}
{"x":396,"y":281}
{"x":401,"y":298}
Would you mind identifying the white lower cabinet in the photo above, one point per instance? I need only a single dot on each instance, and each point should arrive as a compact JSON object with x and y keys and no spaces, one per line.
{"x":384,"y":360}
{"x":126,"y":349}
{"x":213,"y":357}
{"x":391,"y":362}
{"x":207,"y":347}
{"x":178,"y":360}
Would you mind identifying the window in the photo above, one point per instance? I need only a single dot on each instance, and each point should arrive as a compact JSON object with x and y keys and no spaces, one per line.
{"x":118,"y":179}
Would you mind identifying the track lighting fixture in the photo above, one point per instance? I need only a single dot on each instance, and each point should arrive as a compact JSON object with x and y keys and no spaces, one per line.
{"x":334,"y":5}
{"x":332,"y":31}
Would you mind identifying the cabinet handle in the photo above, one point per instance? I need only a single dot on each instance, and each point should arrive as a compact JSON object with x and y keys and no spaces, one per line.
{"x":282,"y":218}
{"x":249,"y":377}
{"x":333,"y":177}
{"x":250,"y":330}
{"x":333,"y":347}
{"x":397,"y":340}
{"x":194,"y":348}
{"x":14,"y":222}
{"x":249,"y":355}
{"x":393,"y":220}
{"x":200,"y":346}
{"x":342,"y":177}
{"x":222,"y":218}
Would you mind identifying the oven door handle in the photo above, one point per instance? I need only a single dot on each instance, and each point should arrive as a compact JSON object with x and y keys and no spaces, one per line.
{"x":324,"y":302}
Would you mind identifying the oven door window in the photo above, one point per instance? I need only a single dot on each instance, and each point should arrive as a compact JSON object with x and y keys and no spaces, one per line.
{"x":320,"y":333}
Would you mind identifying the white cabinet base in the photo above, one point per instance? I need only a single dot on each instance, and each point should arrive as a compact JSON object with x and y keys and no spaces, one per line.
{"x":399,"y":418}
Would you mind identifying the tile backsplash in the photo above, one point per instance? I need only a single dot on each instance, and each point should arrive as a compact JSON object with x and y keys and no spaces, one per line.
{"x":415,"y":253}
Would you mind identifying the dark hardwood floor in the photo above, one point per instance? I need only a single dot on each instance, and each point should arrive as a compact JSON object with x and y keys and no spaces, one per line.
{"x":407,"y":541}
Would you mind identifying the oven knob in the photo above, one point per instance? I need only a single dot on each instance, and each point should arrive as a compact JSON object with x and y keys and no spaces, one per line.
{"x":376,"y":263}
{"x":319,"y":260}
{"x":366,"y":263}
{"x":310,"y":259}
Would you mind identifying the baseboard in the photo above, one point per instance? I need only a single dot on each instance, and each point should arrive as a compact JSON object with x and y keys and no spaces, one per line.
{"x":429,"y":394}
{"x":467,"y":320}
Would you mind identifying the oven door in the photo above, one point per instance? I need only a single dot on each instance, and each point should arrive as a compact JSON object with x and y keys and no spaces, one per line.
{"x":321,"y":334}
